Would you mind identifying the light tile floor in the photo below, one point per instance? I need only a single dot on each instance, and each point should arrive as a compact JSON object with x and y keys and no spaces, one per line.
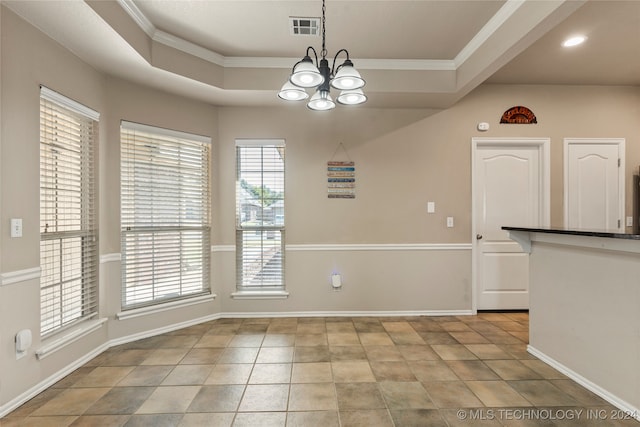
{"x":409,"y":371}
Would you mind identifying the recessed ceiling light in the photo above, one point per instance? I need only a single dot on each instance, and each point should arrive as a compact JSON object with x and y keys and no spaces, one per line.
{"x":574,"y":41}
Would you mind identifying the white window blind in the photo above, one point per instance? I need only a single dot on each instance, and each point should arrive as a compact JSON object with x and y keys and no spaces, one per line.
{"x":68,"y":226}
{"x":165,"y":220}
{"x":260,"y":223}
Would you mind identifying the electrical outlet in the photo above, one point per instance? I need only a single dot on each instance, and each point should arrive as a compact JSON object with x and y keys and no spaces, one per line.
{"x":431,"y":207}
{"x":629,"y":221}
{"x":450,"y":222}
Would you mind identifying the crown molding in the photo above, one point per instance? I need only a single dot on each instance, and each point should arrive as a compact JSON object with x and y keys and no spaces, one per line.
{"x":504,"y":13}
{"x":188,"y":47}
{"x":185,"y":46}
{"x":140,"y":18}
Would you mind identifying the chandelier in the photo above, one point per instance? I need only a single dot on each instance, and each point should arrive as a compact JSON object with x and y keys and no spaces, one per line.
{"x":308,"y":75}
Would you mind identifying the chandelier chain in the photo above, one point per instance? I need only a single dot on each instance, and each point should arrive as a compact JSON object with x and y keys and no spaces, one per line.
{"x":323,"y":53}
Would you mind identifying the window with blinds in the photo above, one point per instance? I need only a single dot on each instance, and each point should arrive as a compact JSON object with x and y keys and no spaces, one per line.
{"x":68,"y":225}
{"x":260,"y":222}
{"x":165,"y":220}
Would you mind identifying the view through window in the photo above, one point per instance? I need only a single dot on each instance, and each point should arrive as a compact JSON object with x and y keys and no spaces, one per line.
{"x":260,"y":219}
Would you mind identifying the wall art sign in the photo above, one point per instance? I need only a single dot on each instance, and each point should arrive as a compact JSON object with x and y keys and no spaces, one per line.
{"x":518,"y":115}
{"x":341,"y":177}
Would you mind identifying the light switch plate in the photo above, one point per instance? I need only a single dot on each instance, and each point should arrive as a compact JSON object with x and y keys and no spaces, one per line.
{"x":16,"y":227}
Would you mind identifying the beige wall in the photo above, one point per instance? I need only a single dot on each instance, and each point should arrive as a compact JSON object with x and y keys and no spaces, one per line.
{"x":28,"y":60}
{"x":23,"y":70}
{"x":401,"y":164}
{"x":404,"y":158}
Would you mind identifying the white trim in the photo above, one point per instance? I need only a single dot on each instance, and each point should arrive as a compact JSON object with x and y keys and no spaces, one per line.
{"x":191,"y":48}
{"x":51,"y":380}
{"x":140,"y":18}
{"x":620,"y":142}
{"x":581,"y":241}
{"x":18,"y":276}
{"x":164,"y":132}
{"x":361,"y":63}
{"x":213,"y":57}
{"x":216,"y":58}
{"x":110,"y":258}
{"x":403,"y":64}
{"x":260,"y":295}
{"x":544,"y":147}
{"x":48,"y":382}
{"x":159,"y":308}
{"x":69,"y":338}
{"x":492,"y":25}
{"x":53,"y":96}
{"x":382,"y":247}
{"x":364,"y":247}
{"x":223,"y":248}
{"x":240,"y":314}
{"x":163,"y":330}
{"x":621,"y":404}
{"x":277,"y":142}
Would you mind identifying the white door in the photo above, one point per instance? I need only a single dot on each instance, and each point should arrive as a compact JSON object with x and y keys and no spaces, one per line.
{"x":510,"y":188}
{"x":594,"y":184}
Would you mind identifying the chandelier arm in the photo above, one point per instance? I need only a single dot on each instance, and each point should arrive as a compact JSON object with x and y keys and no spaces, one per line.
{"x":314,"y":54}
{"x":335,"y":58}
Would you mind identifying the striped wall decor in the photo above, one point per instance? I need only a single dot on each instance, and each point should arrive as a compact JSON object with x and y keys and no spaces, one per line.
{"x":341,"y":180}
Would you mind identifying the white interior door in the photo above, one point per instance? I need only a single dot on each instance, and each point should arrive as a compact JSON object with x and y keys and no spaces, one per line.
{"x":594,"y":184}
{"x":510,"y":188}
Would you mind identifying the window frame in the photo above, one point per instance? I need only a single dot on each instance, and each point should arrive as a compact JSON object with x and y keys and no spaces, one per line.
{"x":174,"y":209}
{"x":69,"y":260}
{"x":271,"y":236}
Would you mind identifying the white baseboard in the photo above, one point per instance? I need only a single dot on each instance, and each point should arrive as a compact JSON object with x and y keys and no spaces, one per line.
{"x":163,"y":330}
{"x":621,"y":404}
{"x":240,"y":314}
{"x":48,"y":382}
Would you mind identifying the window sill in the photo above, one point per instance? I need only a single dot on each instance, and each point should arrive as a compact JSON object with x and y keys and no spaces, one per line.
{"x":70,"y":337}
{"x":260,"y":295}
{"x":153,"y":309}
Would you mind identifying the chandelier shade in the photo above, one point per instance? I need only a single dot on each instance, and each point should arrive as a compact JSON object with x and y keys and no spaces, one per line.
{"x":351,"y":97}
{"x":291,"y":92}
{"x":347,"y":77}
{"x":307,"y":74}
{"x":321,"y":101}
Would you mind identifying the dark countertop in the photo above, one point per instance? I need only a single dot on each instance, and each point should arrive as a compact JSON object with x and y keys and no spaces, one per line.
{"x":574,"y":232}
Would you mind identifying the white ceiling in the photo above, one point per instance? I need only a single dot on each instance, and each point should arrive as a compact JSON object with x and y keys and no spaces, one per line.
{"x":413,"y":54}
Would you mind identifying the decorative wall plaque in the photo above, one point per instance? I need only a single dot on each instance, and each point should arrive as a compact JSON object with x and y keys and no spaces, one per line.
{"x":341,"y":177}
{"x":518,"y":115}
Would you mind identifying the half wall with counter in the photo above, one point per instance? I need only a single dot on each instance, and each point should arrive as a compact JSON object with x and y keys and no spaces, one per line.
{"x":585,"y":308}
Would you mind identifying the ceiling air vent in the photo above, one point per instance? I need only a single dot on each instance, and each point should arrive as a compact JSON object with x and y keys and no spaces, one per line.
{"x":304,"y":26}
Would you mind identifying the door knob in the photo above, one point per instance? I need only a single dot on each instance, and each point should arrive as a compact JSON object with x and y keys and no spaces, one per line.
{"x":478,"y":236}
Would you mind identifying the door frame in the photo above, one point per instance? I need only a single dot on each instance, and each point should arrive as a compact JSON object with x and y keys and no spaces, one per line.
{"x":543,"y":145}
{"x":620,"y":142}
